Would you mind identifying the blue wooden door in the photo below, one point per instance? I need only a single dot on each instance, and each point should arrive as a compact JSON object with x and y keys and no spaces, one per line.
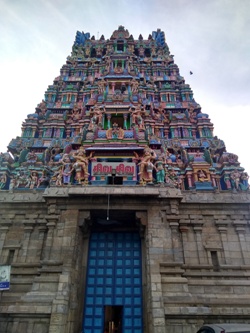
{"x":114,"y":278}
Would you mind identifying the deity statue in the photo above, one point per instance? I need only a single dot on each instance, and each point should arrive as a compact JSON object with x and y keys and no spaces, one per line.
{"x":42,"y":107}
{"x":33,"y":179}
{"x":87,"y":51}
{"x":115,"y":132}
{"x":66,"y":169}
{"x":44,"y":179}
{"x":76,"y":113}
{"x":235,"y":179}
{"x":134,"y":86}
{"x":31,"y":157}
{"x":97,"y":117}
{"x":146,"y":166}
{"x":101,"y":86}
{"x":160,"y":172}
{"x":108,"y":64}
{"x":179,"y":181}
{"x":13,"y":182}
{"x":244,"y":180}
{"x":118,"y":70}
{"x":129,"y":64}
{"x":192,"y":116}
{"x":173,"y":178}
{"x":169,"y":178}
{"x":227,"y":181}
{"x":202,"y":176}
{"x":20,"y":179}
{"x":131,"y":48}
{"x":56,"y":178}
{"x":81,"y":165}
{"x":141,"y":51}
{"x":153,"y":51}
{"x":110,"y":49}
{"x":137,"y":116}
{"x":3,"y":180}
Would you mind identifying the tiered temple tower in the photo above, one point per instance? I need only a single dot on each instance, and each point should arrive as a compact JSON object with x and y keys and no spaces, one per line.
{"x":121,"y":107}
{"x":136,"y":212}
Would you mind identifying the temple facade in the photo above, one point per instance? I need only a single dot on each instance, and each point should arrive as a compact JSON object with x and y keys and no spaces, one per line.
{"x":121,"y":212}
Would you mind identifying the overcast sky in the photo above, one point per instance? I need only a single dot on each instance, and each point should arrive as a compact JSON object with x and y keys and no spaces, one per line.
{"x":208,"y":37}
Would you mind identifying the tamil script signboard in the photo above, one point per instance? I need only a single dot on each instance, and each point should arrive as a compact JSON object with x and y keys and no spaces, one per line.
{"x":111,"y":168}
{"x":4,"y":277}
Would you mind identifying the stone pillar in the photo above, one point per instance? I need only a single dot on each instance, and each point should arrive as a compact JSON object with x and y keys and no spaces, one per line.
{"x":42,"y":233}
{"x":28,"y":228}
{"x":217,"y":178}
{"x":222,"y":226}
{"x":240,"y":227}
{"x":58,"y":316}
{"x":176,"y":242}
{"x":4,"y":228}
{"x":213,"y":179}
{"x":108,"y":119}
{"x":189,"y":177}
{"x":52,"y":220}
{"x":154,"y":255}
{"x":113,"y":87}
{"x":125,"y":117}
{"x":62,"y":314}
{"x":200,"y":249}
{"x":166,"y":131}
{"x":184,"y":229}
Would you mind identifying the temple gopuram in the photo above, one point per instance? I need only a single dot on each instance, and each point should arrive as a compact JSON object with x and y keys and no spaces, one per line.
{"x":121,"y":212}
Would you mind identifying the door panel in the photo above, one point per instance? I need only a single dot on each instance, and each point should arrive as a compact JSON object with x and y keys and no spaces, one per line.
{"x":114,"y":279}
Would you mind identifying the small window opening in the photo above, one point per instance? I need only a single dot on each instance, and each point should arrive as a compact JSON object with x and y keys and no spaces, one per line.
{"x":120,"y":46}
{"x":10,"y":257}
{"x":181,"y":132}
{"x":93,"y":53}
{"x":215,"y":260}
{"x":119,"y":64}
{"x":147,"y":53}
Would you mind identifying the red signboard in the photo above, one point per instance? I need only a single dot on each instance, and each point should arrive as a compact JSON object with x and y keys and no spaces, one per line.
{"x":113,"y":168}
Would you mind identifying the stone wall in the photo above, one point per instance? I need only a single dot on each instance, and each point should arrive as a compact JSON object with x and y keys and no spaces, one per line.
{"x":196,"y":256}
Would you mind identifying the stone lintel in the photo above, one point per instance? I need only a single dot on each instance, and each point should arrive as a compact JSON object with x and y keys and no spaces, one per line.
{"x":222,"y":222}
{"x":237,"y":217}
{"x":173,"y":218}
{"x":31,"y":216}
{"x":12,"y":246}
{"x":212,"y":246}
{"x":51,"y":263}
{"x":171,"y":264}
{"x":113,"y":190}
{"x":199,"y":267}
{"x":240,"y":223}
{"x":26,"y":265}
{"x":46,"y":279}
{"x":174,"y":279}
{"x":24,"y":311}
{"x":196,"y":217}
